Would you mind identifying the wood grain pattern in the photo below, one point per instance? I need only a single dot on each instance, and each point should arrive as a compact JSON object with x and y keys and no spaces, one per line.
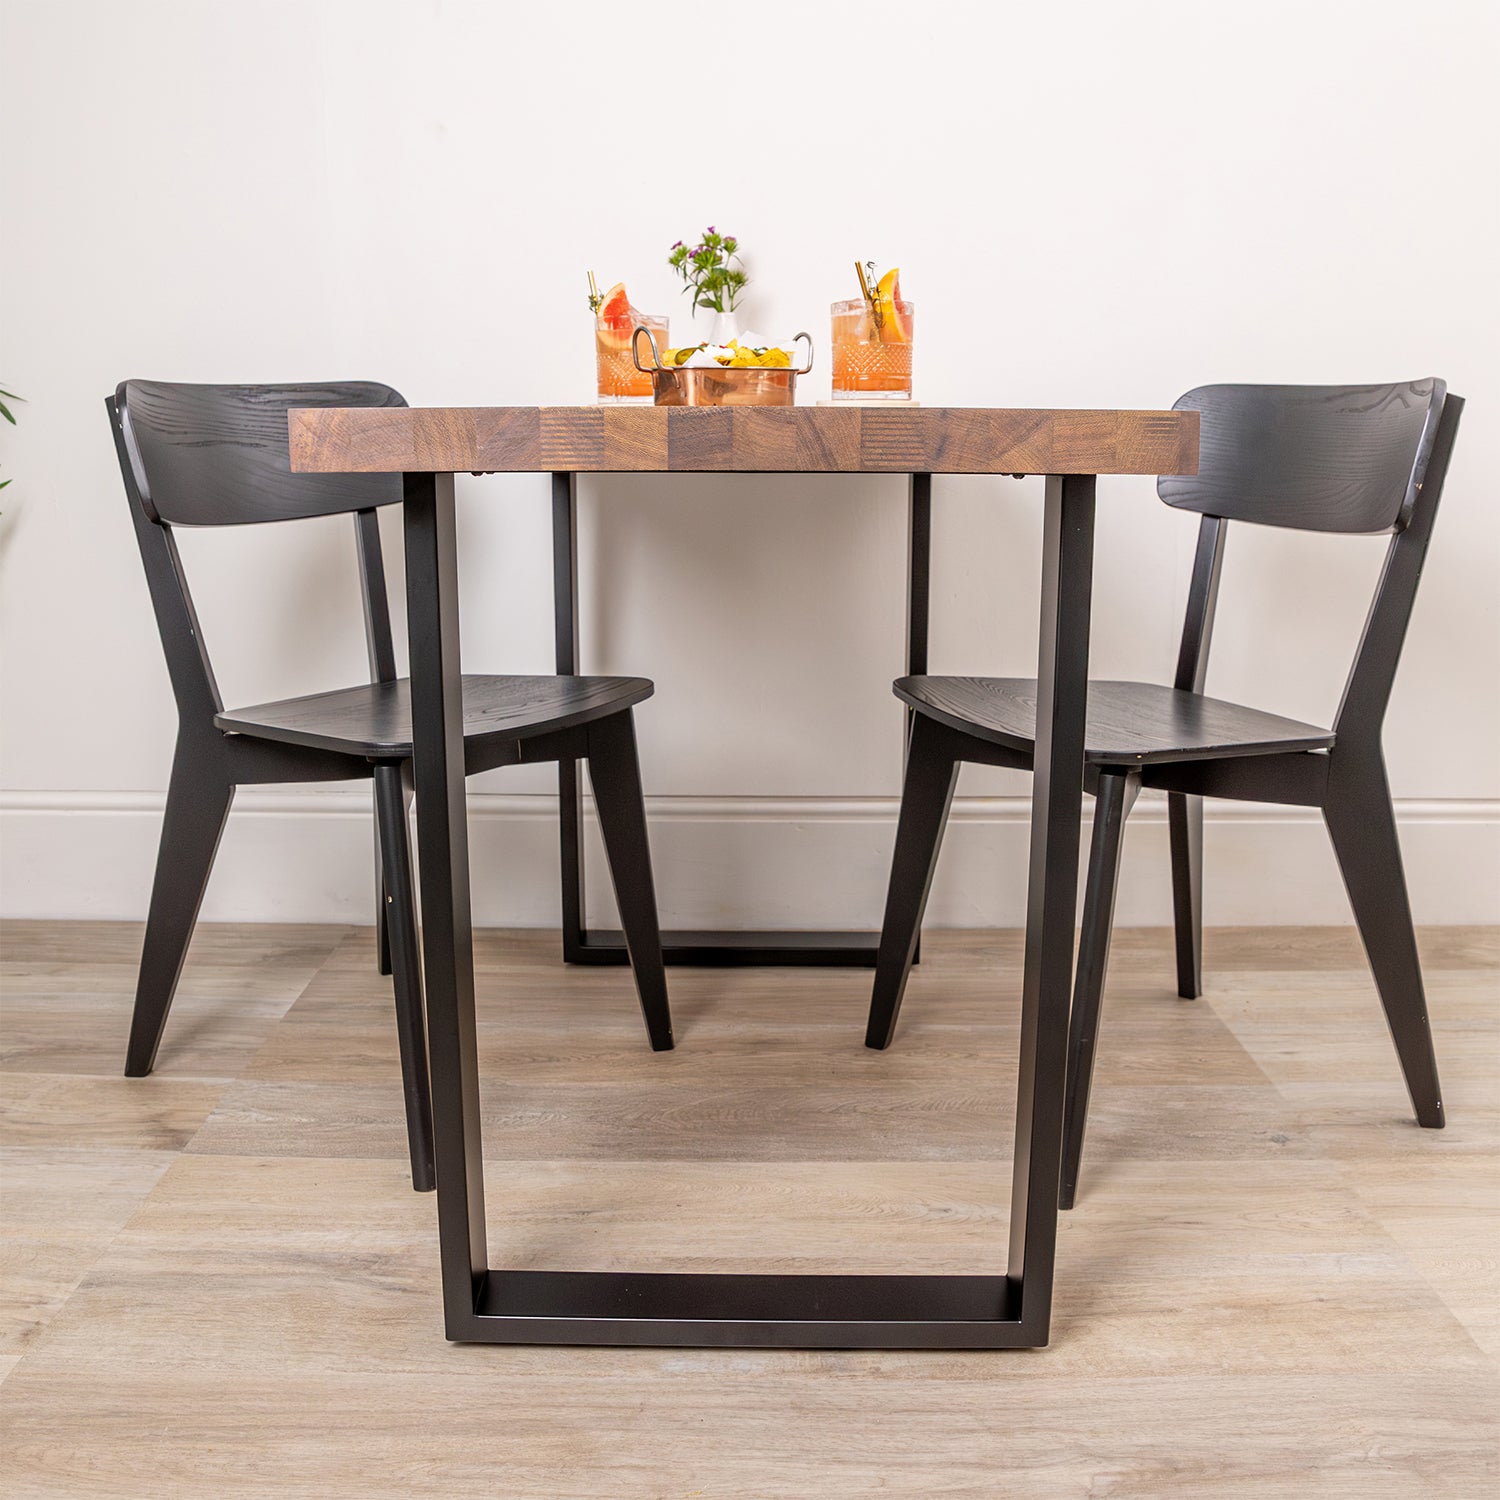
{"x":1286,"y":1290}
{"x":1129,"y":723}
{"x":1340,"y":458}
{"x":374,"y":718}
{"x":62,"y":1209}
{"x":813,"y":440}
{"x":215,"y":455}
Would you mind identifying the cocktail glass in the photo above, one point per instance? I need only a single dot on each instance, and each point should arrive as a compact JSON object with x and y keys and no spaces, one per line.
{"x":872,"y":362}
{"x":619,"y":380}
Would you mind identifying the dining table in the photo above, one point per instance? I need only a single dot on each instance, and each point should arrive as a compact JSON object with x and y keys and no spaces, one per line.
{"x":993,"y":1308}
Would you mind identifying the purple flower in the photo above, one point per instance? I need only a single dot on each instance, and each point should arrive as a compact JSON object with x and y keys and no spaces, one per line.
{"x":677,"y":245}
{"x":710,"y":230}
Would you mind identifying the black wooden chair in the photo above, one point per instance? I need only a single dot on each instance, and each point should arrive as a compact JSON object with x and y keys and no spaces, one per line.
{"x":1313,"y":458}
{"x":216,"y":455}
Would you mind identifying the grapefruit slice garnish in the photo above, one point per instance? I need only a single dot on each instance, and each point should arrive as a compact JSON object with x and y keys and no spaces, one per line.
{"x":616,"y":318}
{"x":615,"y":305}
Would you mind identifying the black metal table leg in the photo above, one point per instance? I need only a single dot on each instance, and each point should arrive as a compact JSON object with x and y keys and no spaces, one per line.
{"x":918,"y":577}
{"x":565,"y":630}
{"x":437,"y":714}
{"x":705,"y":948}
{"x":992,"y":1311}
{"x":918,"y":602}
{"x":1052,"y":889}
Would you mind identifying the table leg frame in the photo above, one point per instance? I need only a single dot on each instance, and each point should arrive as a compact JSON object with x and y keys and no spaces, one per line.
{"x":482,"y":1305}
{"x":706,"y":948}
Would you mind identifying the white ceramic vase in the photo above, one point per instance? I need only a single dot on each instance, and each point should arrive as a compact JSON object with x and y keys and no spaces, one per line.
{"x":722,"y":326}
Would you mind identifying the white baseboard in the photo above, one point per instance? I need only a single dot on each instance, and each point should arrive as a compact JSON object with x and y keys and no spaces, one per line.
{"x":300,"y":856}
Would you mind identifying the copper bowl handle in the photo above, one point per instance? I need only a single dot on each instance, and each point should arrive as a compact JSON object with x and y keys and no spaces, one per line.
{"x":635,"y":357}
{"x":805,"y":368}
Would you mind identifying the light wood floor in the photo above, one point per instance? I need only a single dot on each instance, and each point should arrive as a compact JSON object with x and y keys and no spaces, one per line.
{"x":217,"y":1283}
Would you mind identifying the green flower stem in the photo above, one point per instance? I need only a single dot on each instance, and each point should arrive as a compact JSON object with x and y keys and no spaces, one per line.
{"x":708,"y":270}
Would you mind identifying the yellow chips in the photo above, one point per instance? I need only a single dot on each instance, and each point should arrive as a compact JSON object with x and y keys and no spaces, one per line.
{"x":743,"y":358}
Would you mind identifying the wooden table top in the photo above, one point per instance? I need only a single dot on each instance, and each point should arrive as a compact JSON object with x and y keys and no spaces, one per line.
{"x":794,"y":439}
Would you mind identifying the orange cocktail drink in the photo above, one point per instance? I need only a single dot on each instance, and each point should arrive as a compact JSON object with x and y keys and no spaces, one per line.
{"x":872,"y":345}
{"x":615,"y":322}
{"x":619,"y":380}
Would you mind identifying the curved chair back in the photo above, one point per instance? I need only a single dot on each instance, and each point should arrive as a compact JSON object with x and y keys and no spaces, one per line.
{"x":217,"y":455}
{"x":1310,"y":457}
{"x":1350,"y":459}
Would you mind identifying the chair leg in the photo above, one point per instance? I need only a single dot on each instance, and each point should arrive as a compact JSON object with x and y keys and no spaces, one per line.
{"x":382,"y":926}
{"x":1185,"y":829}
{"x":926,"y":796}
{"x":614,"y":771}
{"x":394,"y":838}
{"x":1362,"y":824}
{"x":1113,"y":800}
{"x":198,"y":799}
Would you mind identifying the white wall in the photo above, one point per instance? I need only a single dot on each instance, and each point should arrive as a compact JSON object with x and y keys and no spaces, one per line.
{"x":1092,"y":204}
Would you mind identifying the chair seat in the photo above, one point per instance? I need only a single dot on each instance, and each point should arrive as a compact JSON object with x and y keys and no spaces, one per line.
{"x":1129,"y":723}
{"x":374,"y":719}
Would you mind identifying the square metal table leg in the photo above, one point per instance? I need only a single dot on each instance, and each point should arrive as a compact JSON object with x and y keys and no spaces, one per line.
{"x":1012,"y":1310}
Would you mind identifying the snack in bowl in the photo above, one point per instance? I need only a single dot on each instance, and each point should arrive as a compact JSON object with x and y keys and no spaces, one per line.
{"x":747,"y":371}
{"x":749,"y":353}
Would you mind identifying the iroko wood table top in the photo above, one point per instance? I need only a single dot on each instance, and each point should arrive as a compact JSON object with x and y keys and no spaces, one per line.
{"x":794,"y":439}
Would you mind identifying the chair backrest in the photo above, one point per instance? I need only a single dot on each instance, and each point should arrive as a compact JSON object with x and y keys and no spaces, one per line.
{"x":1349,"y":459}
{"x":217,"y":455}
{"x":1310,"y":457}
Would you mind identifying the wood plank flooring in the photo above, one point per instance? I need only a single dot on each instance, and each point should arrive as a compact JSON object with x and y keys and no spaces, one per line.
{"x":216,"y":1282}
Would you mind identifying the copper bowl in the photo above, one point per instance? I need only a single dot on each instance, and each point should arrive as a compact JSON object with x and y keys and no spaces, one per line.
{"x":748,"y":385}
